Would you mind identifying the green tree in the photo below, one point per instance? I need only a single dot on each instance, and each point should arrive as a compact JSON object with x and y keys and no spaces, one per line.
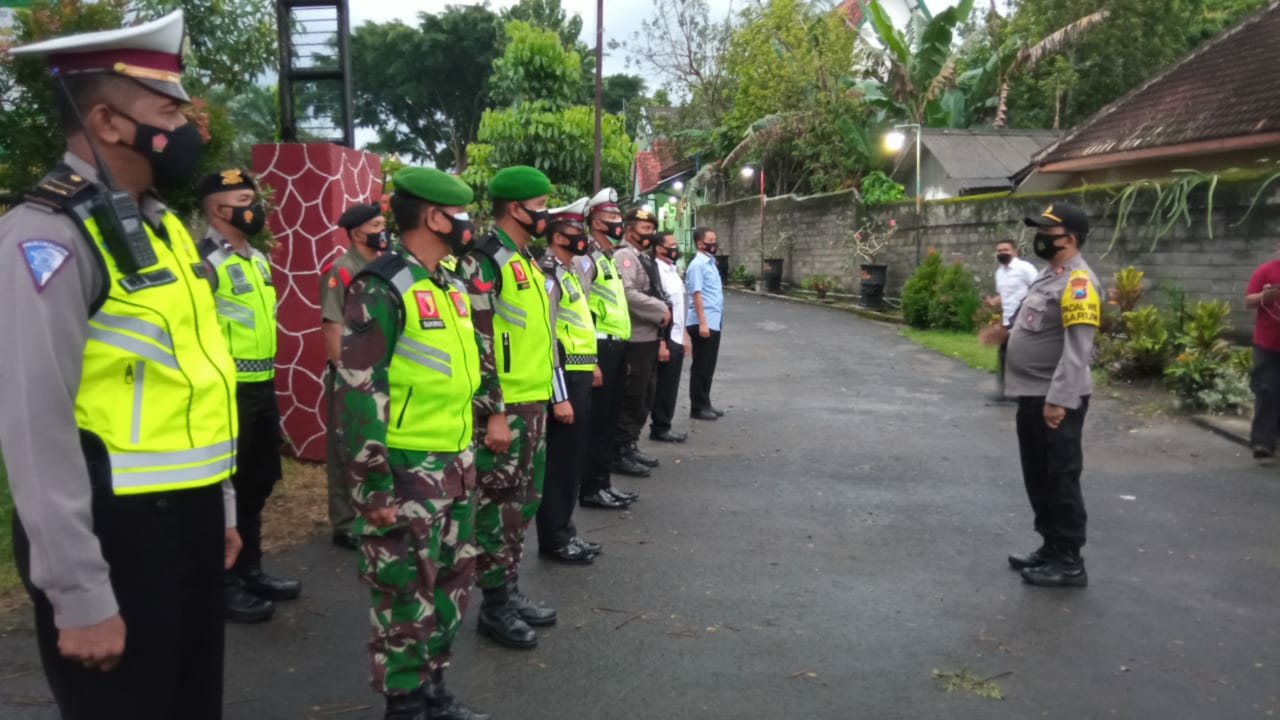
{"x":550,"y":15}
{"x":535,"y":65}
{"x":425,"y":88}
{"x":684,"y":48}
{"x":233,"y":42}
{"x":254,"y":113}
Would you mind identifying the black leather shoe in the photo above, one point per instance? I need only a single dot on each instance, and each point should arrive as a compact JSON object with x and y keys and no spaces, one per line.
{"x":267,"y":587}
{"x":533,"y":614}
{"x":1035,"y":558}
{"x":591,"y":547}
{"x":499,"y":622}
{"x":647,"y":460}
{"x":406,"y":707}
{"x":603,"y":501}
{"x":442,"y":705}
{"x":571,"y":554}
{"x":703,"y":415}
{"x":667,"y":436}
{"x":625,"y":496}
{"x":1263,"y":454}
{"x":1064,"y":569}
{"x":718,"y":412}
{"x":346,"y":540}
{"x":242,"y":607}
{"x":625,"y":465}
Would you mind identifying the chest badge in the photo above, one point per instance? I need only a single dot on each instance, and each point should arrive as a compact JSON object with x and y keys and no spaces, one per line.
{"x":522,"y":278}
{"x":459,"y":303}
{"x":428,"y":311}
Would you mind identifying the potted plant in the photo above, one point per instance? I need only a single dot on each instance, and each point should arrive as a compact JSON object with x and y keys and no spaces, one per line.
{"x":866,"y":243}
{"x":819,"y":284}
{"x":771,"y":249}
{"x":743,"y":278}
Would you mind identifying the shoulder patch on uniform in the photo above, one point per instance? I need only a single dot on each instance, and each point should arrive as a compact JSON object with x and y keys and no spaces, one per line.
{"x":1080,"y":302}
{"x":44,"y":259}
{"x":626,"y":263}
{"x":482,"y":285}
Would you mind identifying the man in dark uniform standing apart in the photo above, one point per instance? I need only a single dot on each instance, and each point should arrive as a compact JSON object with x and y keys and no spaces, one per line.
{"x":119,"y":419}
{"x":650,"y":319}
{"x":1047,"y":369}
{"x":608,"y":300}
{"x":240,"y":277}
{"x":367,"y":235}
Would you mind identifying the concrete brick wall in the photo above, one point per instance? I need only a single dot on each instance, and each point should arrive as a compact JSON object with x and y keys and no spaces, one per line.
{"x":967,"y":230}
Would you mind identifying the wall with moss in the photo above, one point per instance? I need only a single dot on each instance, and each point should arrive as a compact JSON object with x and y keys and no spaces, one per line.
{"x":967,"y":229}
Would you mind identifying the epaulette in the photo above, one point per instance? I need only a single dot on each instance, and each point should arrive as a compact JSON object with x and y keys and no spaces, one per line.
{"x":62,"y":189}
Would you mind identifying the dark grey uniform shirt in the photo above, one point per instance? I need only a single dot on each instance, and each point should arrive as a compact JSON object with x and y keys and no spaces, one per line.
{"x":45,"y":319}
{"x":1047,"y":358}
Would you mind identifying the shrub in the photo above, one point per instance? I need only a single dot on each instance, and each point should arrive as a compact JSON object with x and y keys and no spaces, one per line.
{"x":1142,"y":349}
{"x":920,"y":290}
{"x":880,"y":188}
{"x":1207,"y":374}
{"x":956,"y":301}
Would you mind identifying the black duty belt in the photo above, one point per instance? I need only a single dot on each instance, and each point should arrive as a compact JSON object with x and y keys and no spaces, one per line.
{"x":580,"y":359}
{"x":254,"y":366}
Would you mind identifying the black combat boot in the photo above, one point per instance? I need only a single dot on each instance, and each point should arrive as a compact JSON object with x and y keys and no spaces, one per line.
{"x":1035,"y":558}
{"x":241,"y":606}
{"x":442,"y":705}
{"x":531,"y":613}
{"x":499,"y":621}
{"x":266,"y":586}
{"x":1065,"y":568}
{"x":635,"y":454}
{"x":406,"y":707}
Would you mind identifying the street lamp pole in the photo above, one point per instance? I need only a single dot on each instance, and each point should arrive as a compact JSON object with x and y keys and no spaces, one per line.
{"x":919,"y":210}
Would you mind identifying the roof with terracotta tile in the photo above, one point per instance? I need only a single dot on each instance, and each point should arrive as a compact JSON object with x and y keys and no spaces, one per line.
{"x":1227,"y":88}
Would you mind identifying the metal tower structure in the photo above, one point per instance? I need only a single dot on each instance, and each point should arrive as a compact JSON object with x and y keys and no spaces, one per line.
{"x":315,"y":71}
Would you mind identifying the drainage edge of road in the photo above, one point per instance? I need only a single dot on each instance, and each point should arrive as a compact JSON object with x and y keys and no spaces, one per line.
{"x":843,"y":307}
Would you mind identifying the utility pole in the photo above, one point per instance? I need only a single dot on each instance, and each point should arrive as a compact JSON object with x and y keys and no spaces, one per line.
{"x":595,"y":170}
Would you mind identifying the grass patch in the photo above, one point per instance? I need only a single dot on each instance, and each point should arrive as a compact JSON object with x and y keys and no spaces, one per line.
{"x":963,"y":346}
{"x":8,"y":572}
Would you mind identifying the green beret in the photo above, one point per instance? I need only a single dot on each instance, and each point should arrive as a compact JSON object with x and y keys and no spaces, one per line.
{"x":432,"y":185}
{"x":519,"y":182}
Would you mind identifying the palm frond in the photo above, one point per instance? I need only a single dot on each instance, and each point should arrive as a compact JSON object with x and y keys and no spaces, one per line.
{"x":1060,"y":38}
{"x":942,"y":80}
{"x":764,"y":131}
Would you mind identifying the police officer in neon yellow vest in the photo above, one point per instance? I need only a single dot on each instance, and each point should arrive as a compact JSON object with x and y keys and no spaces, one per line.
{"x":511,"y":306}
{"x":412,"y":366}
{"x":608,"y":300}
{"x":119,"y":422}
{"x":567,"y":240}
{"x":240,"y":276}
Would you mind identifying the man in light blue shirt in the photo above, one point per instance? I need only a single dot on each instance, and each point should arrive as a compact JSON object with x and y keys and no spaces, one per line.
{"x":706,"y":306}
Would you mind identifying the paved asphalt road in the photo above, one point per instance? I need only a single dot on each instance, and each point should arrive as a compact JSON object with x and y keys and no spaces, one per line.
{"x":823,"y":549}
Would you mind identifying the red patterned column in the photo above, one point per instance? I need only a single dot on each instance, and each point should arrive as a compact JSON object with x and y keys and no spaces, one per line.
{"x":312,"y":183}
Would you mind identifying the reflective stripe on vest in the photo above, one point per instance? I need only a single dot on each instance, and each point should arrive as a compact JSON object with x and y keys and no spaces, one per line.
{"x":522,"y":330}
{"x":246,"y":302}
{"x":435,"y":367}
{"x":574,"y":329}
{"x":608,"y":300}
{"x":157,"y":385}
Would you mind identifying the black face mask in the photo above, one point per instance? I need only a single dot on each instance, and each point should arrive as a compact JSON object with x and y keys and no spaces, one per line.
{"x":710,"y":248}
{"x":538,"y":221}
{"x":613,"y":230}
{"x":248,"y":219}
{"x":377,"y":240}
{"x":1044,"y":247}
{"x":1004,"y":258}
{"x":173,"y":154}
{"x":461,"y":230}
{"x":670,"y":253}
{"x":577,"y":244}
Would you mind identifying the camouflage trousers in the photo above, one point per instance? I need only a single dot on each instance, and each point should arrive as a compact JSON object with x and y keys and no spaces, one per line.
{"x":509,"y":486}
{"x":421,"y":569}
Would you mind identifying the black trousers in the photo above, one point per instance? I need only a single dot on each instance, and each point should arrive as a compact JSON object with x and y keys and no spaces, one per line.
{"x":566,"y":459}
{"x":703,"y":368}
{"x":1052,"y":460}
{"x":1265,"y":383}
{"x":668,"y":389}
{"x":1001,"y":354}
{"x":606,"y":403}
{"x":257,"y":465}
{"x":165,"y":553}
{"x":637,"y":398}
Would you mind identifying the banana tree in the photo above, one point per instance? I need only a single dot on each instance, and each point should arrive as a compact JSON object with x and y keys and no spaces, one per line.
{"x":912,"y":73}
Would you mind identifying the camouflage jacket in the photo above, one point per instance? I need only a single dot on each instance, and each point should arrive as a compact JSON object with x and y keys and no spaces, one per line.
{"x":371,"y":326}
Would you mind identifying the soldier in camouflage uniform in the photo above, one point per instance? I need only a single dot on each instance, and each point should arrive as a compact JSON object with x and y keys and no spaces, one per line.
{"x":412,"y":366}
{"x":510,"y":307}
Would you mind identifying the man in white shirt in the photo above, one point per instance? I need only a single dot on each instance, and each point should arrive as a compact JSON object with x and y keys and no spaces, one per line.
{"x":670,"y":352}
{"x":1013,"y":277}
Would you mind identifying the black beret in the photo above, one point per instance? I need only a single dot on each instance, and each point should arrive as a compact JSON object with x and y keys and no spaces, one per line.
{"x":359,"y":214}
{"x":225,"y":181}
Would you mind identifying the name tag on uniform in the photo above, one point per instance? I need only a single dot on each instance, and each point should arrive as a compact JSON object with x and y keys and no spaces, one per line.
{"x":573,"y":293}
{"x":428,"y":312}
{"x":142,"y":281}
{"x":239,"y":282}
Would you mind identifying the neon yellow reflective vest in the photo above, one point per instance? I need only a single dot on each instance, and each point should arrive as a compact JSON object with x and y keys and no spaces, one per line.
{"x":246,"y":302}
{"x":608,"y":299}
{"x":521,"y":324}
{"x":574,"y":328}
{"x":158,"y":385}
{"x":435,"y":364}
